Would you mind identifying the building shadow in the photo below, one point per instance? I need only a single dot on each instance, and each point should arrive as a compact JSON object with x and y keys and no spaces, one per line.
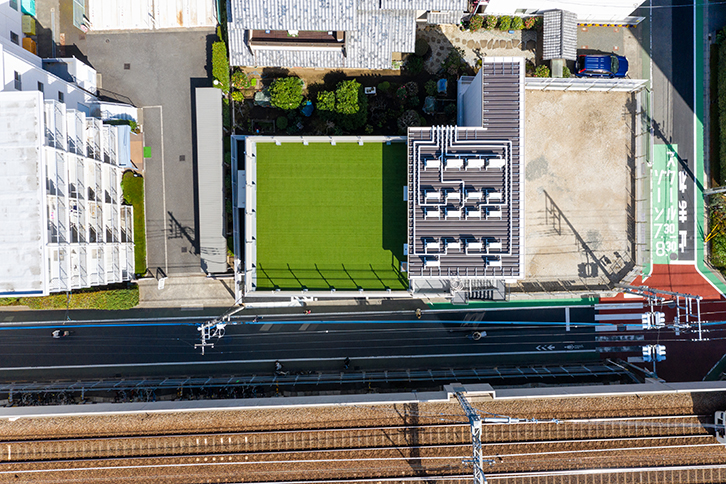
{"x":394,"y":215}
{"x":600,"y":264}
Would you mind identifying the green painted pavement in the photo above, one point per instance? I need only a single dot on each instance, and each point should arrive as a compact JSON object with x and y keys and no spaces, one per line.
{"x":579,"y":301}
{"x":664,"y":204}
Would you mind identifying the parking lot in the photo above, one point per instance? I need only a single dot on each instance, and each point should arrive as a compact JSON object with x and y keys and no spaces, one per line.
{"x":578,"y":186}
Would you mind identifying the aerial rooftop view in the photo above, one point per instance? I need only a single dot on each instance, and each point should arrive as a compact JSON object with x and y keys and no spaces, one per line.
{"x":348,"y":241}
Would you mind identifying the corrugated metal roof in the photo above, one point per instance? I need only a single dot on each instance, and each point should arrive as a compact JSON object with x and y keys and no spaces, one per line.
{"x":559,"y":35}
{"x":149,"y":14}
{"x":444,"y":18}
{"x":293,"y":14}
{"x":213,"y":245}
{"x":457,"y":5}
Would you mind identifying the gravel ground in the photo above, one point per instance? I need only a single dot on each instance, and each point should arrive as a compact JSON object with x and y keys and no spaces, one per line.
{"x":256,"y":419}
{"x":395,"y":452}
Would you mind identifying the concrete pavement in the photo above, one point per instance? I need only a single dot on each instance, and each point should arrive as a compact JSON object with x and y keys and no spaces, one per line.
{"x":158,"y":72}
{"x":192,"y":292}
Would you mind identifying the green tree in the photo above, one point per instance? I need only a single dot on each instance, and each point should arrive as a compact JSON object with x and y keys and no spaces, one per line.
{"x":326,"y":101}
{"x":347,"y":97}
{"x":286,"y":93}
{"x":414,"y":64}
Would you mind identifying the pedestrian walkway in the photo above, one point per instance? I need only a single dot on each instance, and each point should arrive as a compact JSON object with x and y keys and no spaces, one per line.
{"x":186,"y":292}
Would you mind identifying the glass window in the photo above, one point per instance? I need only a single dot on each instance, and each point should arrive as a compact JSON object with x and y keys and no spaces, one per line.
{"x":60,"y":96}
{"x":18,"y":82}
{"x":614,"y":65}
{"x":14,"y":38}
{"x":14,"y":4}
{"x":41,"y":87}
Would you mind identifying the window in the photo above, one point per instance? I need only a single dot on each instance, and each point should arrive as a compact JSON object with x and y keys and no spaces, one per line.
{"x":41,"y":88}
{"x":18,"y":82}
{"x":14,"y":4}
{"x":14,"y":38}
{"x":60,"y":96}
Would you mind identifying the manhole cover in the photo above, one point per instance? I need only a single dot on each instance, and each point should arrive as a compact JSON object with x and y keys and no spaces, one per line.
{"x":127,"y":67}
{"x":673,"y":256}
{"x":182,"y":158}
{"x":184,"y":249}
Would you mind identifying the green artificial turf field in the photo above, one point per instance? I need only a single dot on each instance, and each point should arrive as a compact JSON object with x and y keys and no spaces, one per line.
{"x":331,"y":216}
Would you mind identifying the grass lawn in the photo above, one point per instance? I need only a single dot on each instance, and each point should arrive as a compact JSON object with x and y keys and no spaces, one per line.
{"x":133,"y":190}
{"x":110,"y":298}
{"x":331,"y":216}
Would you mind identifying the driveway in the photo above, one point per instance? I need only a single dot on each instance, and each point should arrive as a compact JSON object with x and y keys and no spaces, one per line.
{"x":158,"y":71}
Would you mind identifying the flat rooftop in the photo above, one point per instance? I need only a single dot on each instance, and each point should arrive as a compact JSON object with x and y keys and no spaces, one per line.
{"x":329,"y":216}
{"x":22,"y":229}
{"x":464,"y":204}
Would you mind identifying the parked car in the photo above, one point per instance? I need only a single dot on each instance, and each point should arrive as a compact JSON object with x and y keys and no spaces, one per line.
{"x":609,"y":65}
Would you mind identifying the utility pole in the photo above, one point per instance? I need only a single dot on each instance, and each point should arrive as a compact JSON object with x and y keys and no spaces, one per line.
{"x":684,"y":302}
{"x":215,"y":328}
{"x":475,"y":424}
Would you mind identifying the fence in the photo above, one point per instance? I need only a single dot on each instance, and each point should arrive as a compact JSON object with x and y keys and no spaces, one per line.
{"x":579,"y":84}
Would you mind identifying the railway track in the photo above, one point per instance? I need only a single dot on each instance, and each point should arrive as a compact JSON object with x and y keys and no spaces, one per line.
{"x":370,"y":452}
{"x":347,"y":438}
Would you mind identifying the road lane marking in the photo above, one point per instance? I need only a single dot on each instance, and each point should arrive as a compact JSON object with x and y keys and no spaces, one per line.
{"x":295,"y":360}
{"x":304,"y":327}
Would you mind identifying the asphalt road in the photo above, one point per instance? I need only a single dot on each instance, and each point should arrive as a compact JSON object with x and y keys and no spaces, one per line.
{"x":672,"y":110}
{"x":303,"y":342}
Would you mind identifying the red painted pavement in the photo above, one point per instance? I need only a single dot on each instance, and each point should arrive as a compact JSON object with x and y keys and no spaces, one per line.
{"x":677,"y":278}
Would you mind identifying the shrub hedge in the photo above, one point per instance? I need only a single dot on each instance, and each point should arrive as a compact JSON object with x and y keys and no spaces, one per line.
{"x":220,"y":65}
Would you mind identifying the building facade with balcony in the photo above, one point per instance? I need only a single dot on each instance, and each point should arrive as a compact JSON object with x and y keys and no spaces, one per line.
{"x":62,"y":222}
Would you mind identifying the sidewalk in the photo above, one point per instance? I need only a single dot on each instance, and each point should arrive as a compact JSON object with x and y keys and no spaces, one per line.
{"x":186,"y":292}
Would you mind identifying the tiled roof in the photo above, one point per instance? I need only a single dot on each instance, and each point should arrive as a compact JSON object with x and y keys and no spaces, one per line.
{"x":559,"y":35}
{"x":293,"y":15}
{"x":374,"y":29}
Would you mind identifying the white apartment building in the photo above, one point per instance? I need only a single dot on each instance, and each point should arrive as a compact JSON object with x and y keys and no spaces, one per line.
{"x":62,"y":222}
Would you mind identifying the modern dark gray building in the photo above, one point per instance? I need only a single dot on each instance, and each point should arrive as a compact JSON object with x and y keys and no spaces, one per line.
{"x":465,"y":188}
